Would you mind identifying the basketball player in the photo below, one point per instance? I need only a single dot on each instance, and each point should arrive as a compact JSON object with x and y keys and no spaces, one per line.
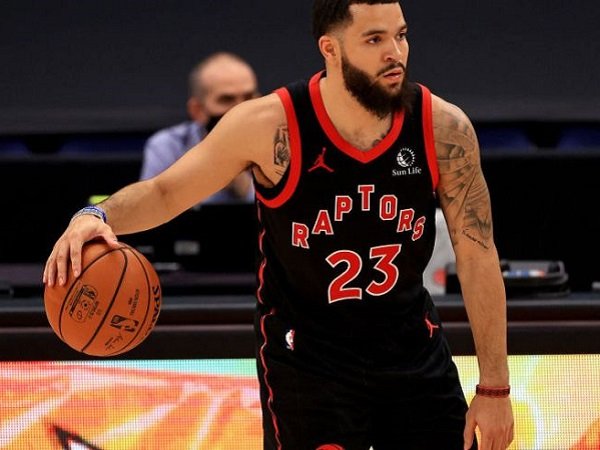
{"x":348,"y":168}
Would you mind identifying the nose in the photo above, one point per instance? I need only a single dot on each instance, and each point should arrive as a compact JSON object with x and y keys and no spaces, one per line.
{"x":395,"y":51}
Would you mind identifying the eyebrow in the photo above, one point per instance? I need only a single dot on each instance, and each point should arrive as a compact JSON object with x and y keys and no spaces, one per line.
{"x":382,"y":31}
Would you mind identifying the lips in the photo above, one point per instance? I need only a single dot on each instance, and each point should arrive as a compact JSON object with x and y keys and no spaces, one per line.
{"x":394,"y":73}
{"x":393,"y":76}
{"x":395,"y":69}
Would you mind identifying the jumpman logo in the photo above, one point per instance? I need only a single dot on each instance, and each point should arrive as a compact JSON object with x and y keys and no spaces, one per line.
{"x":320,"y":162}
{"x":430,"y":326}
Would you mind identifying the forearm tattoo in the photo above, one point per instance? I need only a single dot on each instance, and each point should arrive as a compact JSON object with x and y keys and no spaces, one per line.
{"x":463,"y":191}
{"x":281,"y":149}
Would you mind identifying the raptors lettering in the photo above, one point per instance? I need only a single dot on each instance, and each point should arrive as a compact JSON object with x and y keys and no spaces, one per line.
{"x":389,"y":210}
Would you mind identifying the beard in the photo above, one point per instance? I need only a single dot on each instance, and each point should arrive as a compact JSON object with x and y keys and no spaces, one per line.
{"x":371,"y":95}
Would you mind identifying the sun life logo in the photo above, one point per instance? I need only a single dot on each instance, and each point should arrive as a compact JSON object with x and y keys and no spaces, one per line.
{"x":406,"y":157}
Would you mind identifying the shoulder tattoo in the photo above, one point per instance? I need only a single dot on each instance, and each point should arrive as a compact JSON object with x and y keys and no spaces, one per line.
{"x":463,"y":190}
{"x":281,"y":149}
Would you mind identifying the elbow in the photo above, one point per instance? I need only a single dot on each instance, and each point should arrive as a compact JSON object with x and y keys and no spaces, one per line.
{"x":161,"y":199}
{"x":480,"y":265}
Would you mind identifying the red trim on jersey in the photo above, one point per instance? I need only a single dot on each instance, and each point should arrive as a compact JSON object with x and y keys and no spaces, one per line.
{"x":295,"y":156}
{"x":266,"y":373}
{"x":261,"y":268}
{"x":428,"y":136}
{"x":335,"y":137}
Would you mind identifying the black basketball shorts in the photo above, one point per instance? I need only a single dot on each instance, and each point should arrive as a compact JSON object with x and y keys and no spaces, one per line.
{"x":315,"y":396}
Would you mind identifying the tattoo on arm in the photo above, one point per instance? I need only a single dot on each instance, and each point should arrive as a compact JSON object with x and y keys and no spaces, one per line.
{"x":463,"y":191}
{"x":281,"y":149}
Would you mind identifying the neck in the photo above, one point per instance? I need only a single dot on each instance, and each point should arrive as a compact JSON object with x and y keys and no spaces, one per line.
{"x":353,"y":121}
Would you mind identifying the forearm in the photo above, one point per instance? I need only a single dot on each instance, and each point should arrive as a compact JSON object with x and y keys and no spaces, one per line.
{"x":485,"y":301}
{"x":137,"y":207}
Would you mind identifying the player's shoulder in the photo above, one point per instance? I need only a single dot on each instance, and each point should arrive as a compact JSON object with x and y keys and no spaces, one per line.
{"x":250,"y":127}
{"x":451,"y":127}
{"x":260,"y":113}
{"x":447,"y":113}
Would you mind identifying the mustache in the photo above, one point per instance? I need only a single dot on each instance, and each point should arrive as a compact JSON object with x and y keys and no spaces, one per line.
{"x":392,"y":66}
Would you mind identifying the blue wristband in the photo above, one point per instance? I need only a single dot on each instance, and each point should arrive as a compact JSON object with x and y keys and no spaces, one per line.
{"x":92,"y":210}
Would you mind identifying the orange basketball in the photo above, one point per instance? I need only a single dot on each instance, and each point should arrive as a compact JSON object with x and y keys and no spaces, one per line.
{"x":111,"y":307}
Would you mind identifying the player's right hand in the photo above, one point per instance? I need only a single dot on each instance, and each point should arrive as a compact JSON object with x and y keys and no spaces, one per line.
{"x":67,"y":249}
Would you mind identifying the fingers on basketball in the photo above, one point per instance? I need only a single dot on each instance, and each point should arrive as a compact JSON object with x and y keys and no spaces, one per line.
{"x":111,"y":307}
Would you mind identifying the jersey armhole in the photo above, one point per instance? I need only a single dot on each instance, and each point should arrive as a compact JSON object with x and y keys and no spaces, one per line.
{"x":291,"y":181}
{"x":429,"y":138}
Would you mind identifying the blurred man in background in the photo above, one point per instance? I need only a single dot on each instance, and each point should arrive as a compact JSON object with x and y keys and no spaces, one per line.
{"x":216,"y":84}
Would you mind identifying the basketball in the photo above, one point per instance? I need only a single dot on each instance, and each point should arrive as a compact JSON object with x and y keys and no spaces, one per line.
{"x":111,"y":307}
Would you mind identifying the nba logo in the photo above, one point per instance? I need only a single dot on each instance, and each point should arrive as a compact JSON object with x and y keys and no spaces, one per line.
{"x":123,"y":323}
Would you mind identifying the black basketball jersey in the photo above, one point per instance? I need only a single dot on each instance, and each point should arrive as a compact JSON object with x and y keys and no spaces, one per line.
{"x":346,"y":235}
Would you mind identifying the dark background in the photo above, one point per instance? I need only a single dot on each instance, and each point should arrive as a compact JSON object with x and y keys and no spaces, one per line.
{"x":80,"y":66}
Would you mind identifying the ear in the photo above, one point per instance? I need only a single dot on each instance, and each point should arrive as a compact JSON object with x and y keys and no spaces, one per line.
{"x":196,"y":110}
{"x":329,"y":48}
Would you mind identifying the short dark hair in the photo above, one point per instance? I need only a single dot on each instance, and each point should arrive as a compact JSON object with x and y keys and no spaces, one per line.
{"x":328,"y":14}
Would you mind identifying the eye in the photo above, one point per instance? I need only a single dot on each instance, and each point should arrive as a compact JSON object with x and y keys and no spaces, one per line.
{"x":401,"y":36}
{"x":225,"y":99}
{"x":374,"y":40}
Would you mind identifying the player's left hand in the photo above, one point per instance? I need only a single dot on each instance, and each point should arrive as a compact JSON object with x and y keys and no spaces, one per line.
{"x":494,"y":417}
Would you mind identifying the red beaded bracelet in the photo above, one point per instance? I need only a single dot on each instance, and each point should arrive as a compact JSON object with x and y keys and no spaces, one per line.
{"x":495,"y":392}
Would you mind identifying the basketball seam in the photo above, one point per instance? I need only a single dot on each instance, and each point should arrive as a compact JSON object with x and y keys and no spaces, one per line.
{"x":64,"y":303}
{"x":148,"y":303}
{"x":112,"y":301}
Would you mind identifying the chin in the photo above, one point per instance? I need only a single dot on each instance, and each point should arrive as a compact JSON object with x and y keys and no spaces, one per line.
{"x":394,"y":88}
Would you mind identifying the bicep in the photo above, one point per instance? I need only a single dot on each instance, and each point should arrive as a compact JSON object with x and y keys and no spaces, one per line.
{"x":462,"y":190}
